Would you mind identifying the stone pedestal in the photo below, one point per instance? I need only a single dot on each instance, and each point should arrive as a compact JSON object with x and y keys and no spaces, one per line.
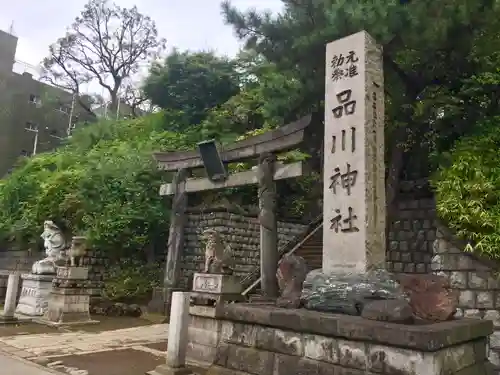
{"x":216,"y":283}
{"x":34,"y":294}
{"x":69,"y":299}
{"x":215,"y":289}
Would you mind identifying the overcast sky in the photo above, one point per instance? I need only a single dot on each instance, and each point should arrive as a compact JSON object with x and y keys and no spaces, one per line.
{"x":186,"y":24}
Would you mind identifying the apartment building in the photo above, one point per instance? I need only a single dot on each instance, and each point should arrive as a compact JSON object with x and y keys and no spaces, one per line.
{"x":34,"y":116}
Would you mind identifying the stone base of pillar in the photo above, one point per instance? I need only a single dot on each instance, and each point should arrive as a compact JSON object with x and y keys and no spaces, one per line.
{"x":167,"y":370}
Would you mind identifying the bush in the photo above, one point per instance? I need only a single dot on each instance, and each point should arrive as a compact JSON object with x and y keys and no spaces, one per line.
{"x":468,"y":189}
{"x":132,"y":281}
{"x":104,"y":184}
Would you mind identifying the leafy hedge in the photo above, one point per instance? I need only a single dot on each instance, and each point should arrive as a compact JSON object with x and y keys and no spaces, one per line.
{"x":132,"y":281}
{"x":468,"y":189}
{"x":103,"y":184}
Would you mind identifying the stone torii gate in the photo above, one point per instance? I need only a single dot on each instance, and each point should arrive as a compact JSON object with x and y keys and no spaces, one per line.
{"x":262,"y":147}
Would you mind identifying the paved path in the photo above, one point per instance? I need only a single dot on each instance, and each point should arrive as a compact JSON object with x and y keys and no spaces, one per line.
{"x":57,"y":344}
{"x":14,"y":366}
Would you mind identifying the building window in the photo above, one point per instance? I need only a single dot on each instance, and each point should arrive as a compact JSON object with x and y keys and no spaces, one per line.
{"x":31,"y":126}
{"x":35,"y":99}
{"x":63,"y":108}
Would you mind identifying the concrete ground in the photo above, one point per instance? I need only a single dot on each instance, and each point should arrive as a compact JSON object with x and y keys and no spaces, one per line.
{"x":16,"y":366}
{"x":78,"y":342}
{"x":127,"y":351}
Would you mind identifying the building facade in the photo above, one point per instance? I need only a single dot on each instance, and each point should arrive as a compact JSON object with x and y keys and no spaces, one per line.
{"x":34,"y":117}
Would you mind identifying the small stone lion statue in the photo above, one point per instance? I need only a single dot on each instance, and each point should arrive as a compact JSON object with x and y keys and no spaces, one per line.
{"x":218,"y":256}
{"x":77,"y":251}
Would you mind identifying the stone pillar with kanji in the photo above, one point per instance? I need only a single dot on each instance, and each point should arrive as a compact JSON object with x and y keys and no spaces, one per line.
{"x":354,"y":172}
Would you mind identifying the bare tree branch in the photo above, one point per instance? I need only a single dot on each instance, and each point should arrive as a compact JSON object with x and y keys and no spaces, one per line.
{"x":105,"y":44}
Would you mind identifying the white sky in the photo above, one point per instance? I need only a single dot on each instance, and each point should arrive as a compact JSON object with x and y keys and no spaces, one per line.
{"x":186,"y":24}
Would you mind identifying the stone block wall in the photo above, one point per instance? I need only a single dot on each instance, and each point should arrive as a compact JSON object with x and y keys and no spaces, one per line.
{"x":267,"y":341}
{"x":240,"y":232}
{"x":411,"y":235}
{"x":203,"y":335}
{"x":474,"y":279}
{"x":97,"y":263}
{"x":11,"y":260}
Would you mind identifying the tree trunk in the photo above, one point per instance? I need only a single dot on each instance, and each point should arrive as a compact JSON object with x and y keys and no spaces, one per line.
{"x":113,"y":107}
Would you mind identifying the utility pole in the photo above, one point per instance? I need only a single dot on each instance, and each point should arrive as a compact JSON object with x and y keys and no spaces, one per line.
{"x":34,"y":129}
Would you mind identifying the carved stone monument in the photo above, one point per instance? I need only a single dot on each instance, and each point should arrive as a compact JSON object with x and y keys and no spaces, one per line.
{"x":354,"y":171}
{"x":216,"y":284}
{"x":36,"y":286}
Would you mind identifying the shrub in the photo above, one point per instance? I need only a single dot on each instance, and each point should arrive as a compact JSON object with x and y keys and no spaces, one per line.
{"x":132,"y":281}
{"x":104,"y":184}
{"x":468,"y":189}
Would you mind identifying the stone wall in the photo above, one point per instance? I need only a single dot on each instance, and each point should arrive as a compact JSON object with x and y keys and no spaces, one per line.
{"x":474,"y":279}
{"x":203,"y":335}
{"x":97,"y":263}
{"x":263,"y":340}
{"x":240,"y":232}
{"x":18,"y":259}
{"x":412,"y":229}
{"x":12,"y":260}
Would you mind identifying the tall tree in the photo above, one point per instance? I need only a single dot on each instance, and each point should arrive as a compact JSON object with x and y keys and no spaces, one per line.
{"x":192,"y":83}
{"x":105,"y":44}
{"x":427,"y":48}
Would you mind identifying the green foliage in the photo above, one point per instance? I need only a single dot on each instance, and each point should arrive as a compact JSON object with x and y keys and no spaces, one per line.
{"x":468,"y":189}
{"x":103,"y":184}
{"x":191,"y":83}
{"x":266,"y":101}
{"x":132,"y":281}
{"x":431,"y":49}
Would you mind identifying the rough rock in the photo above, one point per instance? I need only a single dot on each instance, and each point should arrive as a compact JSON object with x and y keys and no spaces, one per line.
{"x":430,"y":296}
{"x":101,"y":306}
{"x":392,"y":311}
{"x":348,"y":293}
{"x":292,"y":272}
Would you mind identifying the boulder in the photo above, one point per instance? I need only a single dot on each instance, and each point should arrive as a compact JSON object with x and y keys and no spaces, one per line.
{"x":430,"y":296}
{"x":292,"y":272}
{"x":348,"y":293}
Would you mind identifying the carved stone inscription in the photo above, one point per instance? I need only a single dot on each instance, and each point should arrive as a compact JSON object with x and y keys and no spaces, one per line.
{"x":353,"y":142}
{"x":344,"y":66}
{"x":207,"y":283}
{"x":346,"y":180}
